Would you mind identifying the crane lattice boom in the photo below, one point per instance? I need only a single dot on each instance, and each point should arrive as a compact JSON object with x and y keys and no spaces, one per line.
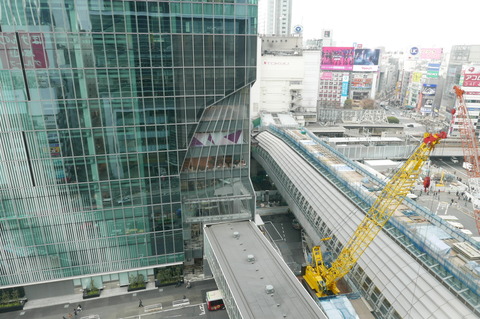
{"x":324,"y":280}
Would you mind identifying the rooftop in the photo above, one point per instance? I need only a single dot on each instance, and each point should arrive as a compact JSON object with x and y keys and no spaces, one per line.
{"x":262,"y":284}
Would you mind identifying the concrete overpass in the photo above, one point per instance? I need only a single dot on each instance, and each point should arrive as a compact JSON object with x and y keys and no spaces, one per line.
{"x":403,"y":273}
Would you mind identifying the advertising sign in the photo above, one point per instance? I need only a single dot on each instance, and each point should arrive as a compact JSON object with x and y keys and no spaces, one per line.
{"x":429,"y":89}
{"x":326,"y":76}
{"x":337,"y":58}
{"x":470,"y":76}
{"x":33,"y":50}
{"x":426,"y":110}
{"x":366,"y":60}
{"x":431,"y":54}
{"x":416,"y":76}
{"x":9,"y":53}
{"x":344,"y":94}
{"x":55,"y":149}
{"x":433,"y":70}
{"x":362,"y":81}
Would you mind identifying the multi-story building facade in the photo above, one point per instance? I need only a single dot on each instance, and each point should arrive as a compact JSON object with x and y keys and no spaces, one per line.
{"x":124,"y":126}
{"x":275,"y":17}
{"x":460,"y":55}
{"x":280,"y":75}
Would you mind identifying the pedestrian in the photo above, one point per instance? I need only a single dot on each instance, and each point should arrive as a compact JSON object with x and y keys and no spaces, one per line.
{"x":75,"y":311}
{"x":140,"y":304}
{"x":79,"y":308}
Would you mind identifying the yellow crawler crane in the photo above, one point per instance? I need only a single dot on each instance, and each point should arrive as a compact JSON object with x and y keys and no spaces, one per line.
{"x":324,"y":280}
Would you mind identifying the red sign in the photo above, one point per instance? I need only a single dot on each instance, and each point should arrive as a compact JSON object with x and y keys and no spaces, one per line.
{"x":471,"y":80}
{"x":33,"y":50}
{"x":362,"y":83}
{"x":32,"y":46}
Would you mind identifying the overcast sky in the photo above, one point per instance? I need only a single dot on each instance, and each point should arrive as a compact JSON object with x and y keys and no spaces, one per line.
{"x":392,"y":24}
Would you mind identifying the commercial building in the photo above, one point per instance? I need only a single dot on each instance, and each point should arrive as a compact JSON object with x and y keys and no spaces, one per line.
{"x":460,"y":55}
{"x":124,"y":126}
{"x":347,"y":73}
{"x":280,"y":74}
{"x":469,"y":81}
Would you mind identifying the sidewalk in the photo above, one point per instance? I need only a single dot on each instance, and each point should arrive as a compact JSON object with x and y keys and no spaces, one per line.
{"x":115,"y":303}
{"x":78,"y":298}
{"x":193,"y":274}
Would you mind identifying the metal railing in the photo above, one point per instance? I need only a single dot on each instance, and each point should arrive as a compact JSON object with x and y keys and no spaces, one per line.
{"x":365,"y":200}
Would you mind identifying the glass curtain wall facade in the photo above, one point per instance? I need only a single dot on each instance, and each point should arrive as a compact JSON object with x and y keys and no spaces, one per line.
{"x":122,"y":124}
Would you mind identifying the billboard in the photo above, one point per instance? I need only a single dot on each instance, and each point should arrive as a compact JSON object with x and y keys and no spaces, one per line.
{"x":417,"y":76}
{"x":470,"y":76}
{"x":431,"y":53}
{"x":344,"y":95}
{"x":33,"y":50}
{"x":432,"y":70}
{"x":29,"y":53}
{"x":337,"y":58}
{"x":366,"y":59}
{"x":429,"y":89}
{"x":362,"y":81}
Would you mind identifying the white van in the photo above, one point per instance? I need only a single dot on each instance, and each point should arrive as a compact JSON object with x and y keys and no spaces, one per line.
{"x":456,"y":224}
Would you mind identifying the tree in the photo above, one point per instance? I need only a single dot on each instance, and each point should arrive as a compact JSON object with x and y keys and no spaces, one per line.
{"x":393,"y":120}
{"x":5,"y":299}
{"x":348,"y":104}
{"x":367,"y":104}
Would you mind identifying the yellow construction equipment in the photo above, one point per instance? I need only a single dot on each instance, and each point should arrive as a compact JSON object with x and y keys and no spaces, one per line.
{"x":324,"y":280}
{"x":440,"y":183}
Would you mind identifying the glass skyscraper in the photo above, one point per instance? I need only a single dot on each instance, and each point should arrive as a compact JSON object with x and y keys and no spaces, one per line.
{"x":124,"y":127}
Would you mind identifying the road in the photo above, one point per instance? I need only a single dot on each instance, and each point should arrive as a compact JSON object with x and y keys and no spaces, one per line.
{"x":442,"y":205}
{"x":287,"y":239}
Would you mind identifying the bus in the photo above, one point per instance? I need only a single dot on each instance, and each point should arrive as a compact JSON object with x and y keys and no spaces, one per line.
{"x":215,"y":300}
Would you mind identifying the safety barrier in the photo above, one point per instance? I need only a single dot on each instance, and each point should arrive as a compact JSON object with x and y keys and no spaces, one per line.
{"x":465,"y":279}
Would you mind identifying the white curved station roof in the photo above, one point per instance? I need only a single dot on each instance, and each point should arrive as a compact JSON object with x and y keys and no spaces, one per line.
{"x":412,"y":291}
